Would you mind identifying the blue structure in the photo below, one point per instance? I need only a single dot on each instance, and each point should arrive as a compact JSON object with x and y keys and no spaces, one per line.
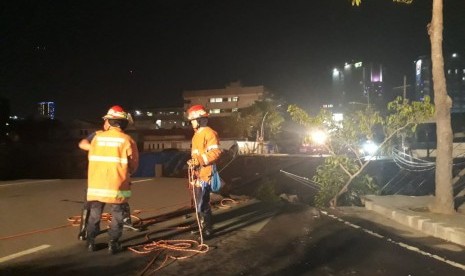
{"x":173,"y":162}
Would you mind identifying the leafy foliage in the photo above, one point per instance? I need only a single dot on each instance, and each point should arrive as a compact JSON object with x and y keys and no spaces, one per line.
{"x":341,"y":174}
{"x":248,"y":121}
{"x":267,"y":190}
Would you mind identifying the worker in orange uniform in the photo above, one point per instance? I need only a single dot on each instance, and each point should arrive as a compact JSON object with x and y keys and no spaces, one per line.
{"x":205,"y":152}
{"x":113,"y":157}
{"x":84,"y":144}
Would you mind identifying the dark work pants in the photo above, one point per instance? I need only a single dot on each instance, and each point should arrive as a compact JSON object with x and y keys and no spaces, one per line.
{"x":118,"y":213}
{"x":202,"y":197}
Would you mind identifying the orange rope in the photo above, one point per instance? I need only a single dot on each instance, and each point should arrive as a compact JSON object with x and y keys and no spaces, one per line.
{"x":224,"y":200}
{"x":34,"y":232}
{"x":183,"y":248}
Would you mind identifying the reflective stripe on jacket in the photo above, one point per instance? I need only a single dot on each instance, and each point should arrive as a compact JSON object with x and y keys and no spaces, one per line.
{"x":113,"y":156}
{"x":206,"y":149}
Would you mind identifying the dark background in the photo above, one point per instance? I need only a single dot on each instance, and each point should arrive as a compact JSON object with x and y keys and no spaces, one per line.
{"x":89,"y":55}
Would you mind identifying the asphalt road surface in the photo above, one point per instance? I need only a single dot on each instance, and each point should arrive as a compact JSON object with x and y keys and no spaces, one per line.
{"x":252,"y":237}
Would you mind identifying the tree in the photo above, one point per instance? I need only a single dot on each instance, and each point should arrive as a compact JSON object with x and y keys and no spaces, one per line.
{"x":341,"y":174}
{"x":248,"y":121}
{"x":444,"y":200}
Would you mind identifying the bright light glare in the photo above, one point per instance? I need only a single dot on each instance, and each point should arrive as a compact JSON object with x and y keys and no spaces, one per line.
{"x":370,"y":148}
{"x":337,"y":117}
{"x":319,"y":137}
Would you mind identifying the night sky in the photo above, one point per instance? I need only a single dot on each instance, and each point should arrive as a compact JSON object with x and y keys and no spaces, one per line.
{"x":89,"y":55}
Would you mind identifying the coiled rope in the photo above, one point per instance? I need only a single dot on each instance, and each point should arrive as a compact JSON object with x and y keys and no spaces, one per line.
{"x":174,"y":249}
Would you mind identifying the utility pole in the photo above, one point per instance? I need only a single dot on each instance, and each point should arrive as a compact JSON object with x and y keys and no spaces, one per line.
{"x":404,"y":99}
{"x":405,"y":87}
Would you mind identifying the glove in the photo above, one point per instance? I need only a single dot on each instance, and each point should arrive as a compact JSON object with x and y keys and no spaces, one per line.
{"x":193,"y":162}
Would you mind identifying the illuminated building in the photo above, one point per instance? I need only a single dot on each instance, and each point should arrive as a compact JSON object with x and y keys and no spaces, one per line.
{"x":225,"y":101}
{"x":4,"y":116}
{"x":454,"y":69}
{"x":47,"y":110}
{"x":159,"y":118}
{"x":357,"y":83}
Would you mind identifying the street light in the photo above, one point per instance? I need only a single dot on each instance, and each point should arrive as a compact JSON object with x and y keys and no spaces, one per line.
{"x":261,"y":139}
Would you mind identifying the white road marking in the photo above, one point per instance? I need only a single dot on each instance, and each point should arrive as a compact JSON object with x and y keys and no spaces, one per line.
{"x":406,"y":246}
{"x":142,"y":180}
{"x":27,"y":182}
{"x":23,"y":253}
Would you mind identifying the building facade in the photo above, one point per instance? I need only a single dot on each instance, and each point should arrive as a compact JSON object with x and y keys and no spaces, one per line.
{"x":225,"y":101}
{"x":46,"y":110}
{"x":159,"y":118}
{"x":454,"y":69}
{"x":357,"y":83}
{"x":4,"y":117}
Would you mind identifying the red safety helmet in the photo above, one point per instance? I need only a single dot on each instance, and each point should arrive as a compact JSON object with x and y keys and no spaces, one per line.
{"x":116,"y":112}
{"x":196,"y":111}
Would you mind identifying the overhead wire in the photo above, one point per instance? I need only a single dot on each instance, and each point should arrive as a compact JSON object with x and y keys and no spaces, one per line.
{"x":303,"y":180}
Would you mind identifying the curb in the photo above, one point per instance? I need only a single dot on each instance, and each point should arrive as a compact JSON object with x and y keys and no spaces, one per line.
{"x":424,"y":224}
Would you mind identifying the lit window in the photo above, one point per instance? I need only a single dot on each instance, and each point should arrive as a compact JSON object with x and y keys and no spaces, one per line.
{"x":216,"y":100}
{"x":235,"y":99}
{"x":150,"y":114}
{"x":235,"y":109}
{"x":215,"y":111}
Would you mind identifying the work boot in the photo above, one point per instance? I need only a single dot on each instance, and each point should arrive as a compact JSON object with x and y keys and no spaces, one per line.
{"x":82,"y":236}
{"x":207,"y":233}
{"x":127,"y":221}
{"x":206,"y":223}
{"x":91,"y":246}
{"x":127,"y":224}
{"x":114,"y":247}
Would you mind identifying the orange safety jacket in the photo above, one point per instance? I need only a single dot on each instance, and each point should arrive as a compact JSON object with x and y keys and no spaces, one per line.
{"x":113,"y":156}
{"x":206,"y":149}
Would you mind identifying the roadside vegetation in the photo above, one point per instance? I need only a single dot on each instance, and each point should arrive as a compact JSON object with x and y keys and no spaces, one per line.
{"x":342,"y":177}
